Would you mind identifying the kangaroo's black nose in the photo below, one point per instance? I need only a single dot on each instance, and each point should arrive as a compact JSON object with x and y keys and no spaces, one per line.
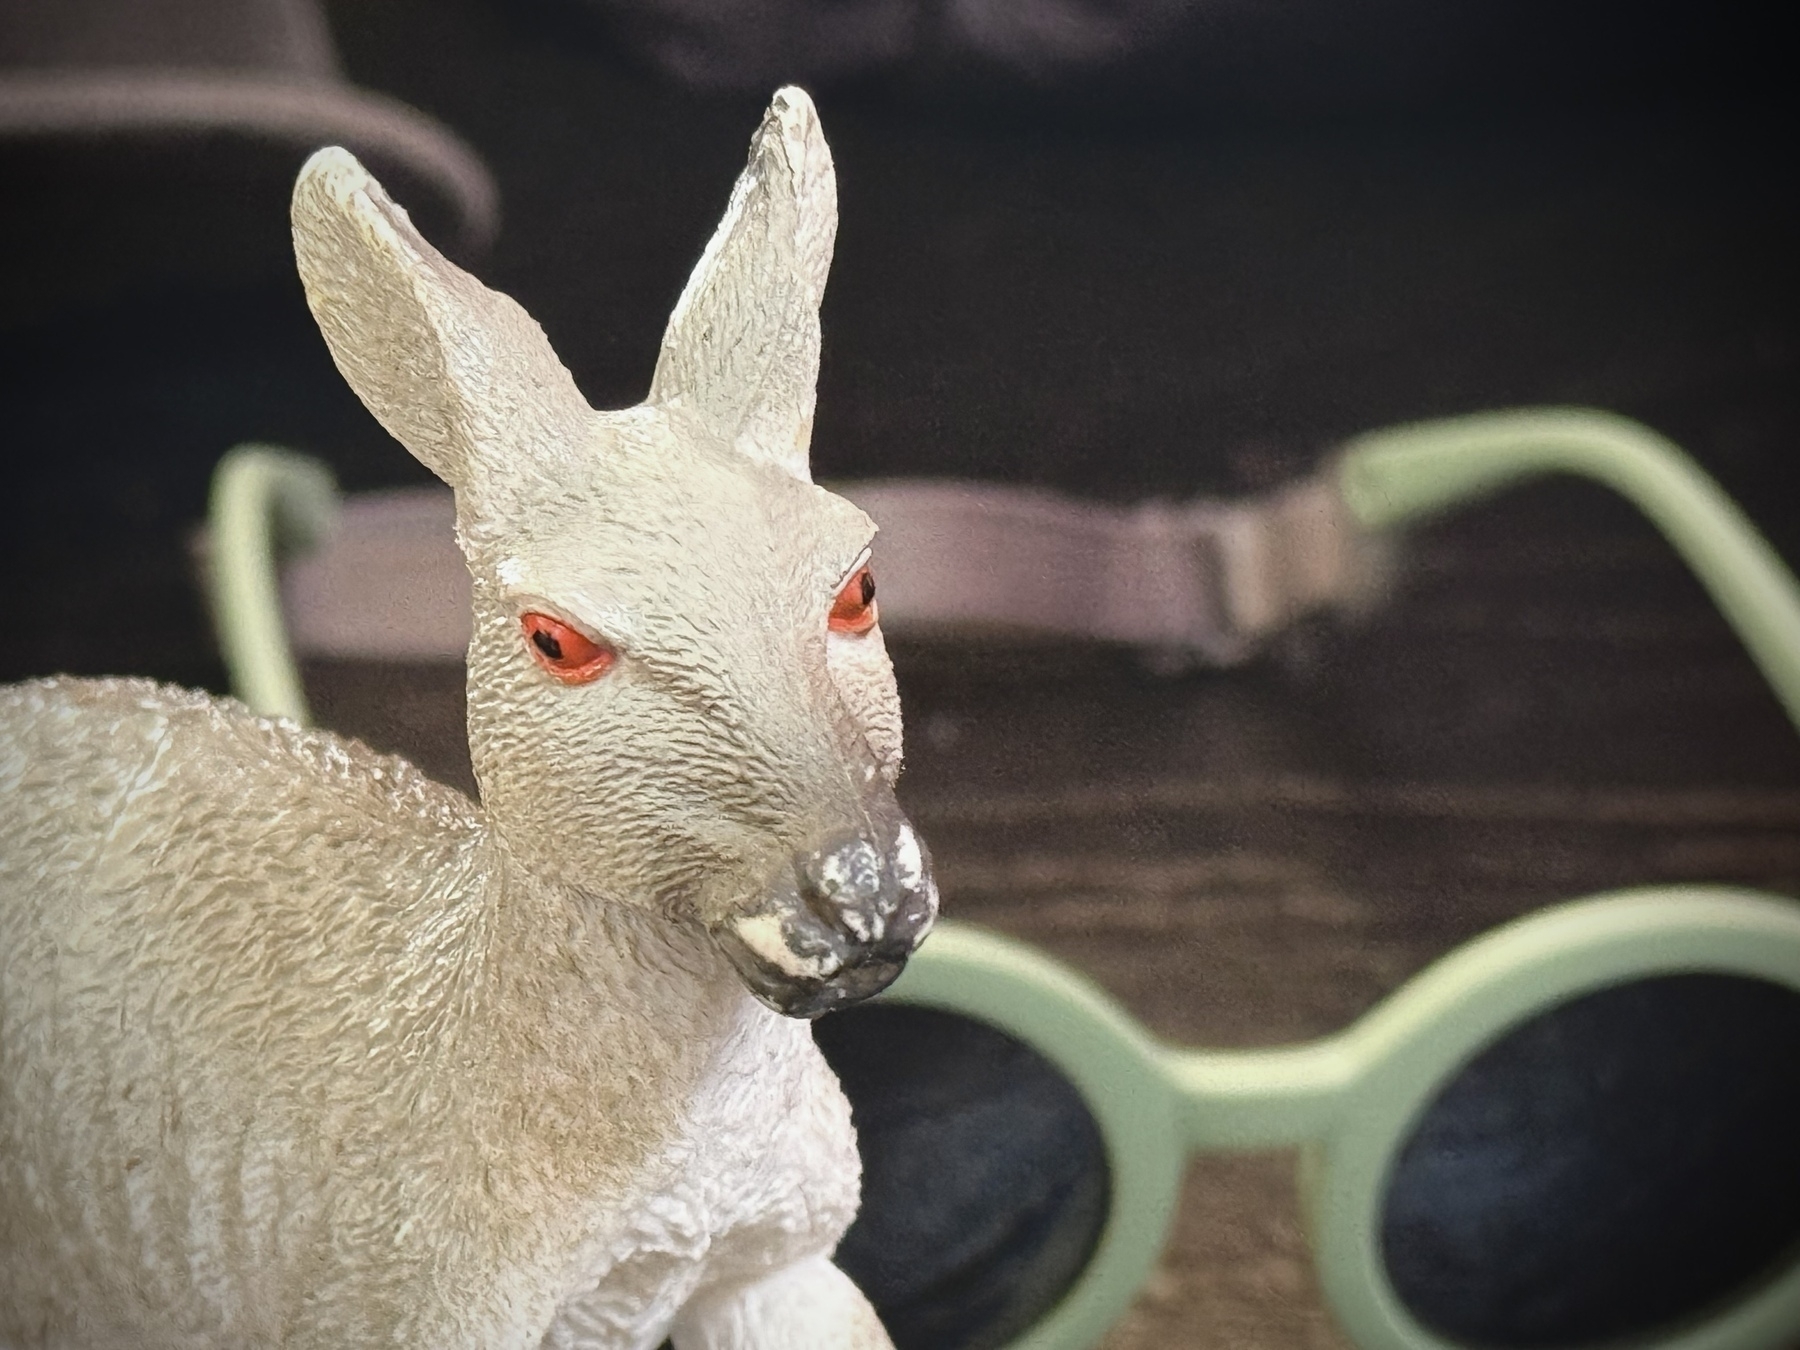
{"x":839,"y":923}
{"x":862,"y":889}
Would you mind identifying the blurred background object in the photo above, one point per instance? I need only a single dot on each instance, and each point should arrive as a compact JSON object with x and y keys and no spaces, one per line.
{"x":1125,"y":251}
{"x":200,"y":103}
{"x":1307,"y":57}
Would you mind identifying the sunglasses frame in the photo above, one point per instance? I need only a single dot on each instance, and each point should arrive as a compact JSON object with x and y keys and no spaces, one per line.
{"x":1351,"y":1101}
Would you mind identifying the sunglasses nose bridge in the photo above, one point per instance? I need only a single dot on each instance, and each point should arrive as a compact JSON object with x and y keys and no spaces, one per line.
{"x":1283,"y":1097}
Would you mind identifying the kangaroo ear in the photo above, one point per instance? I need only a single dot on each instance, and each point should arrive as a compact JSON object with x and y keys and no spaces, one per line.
{"x":453,"y":370}
{"x":742,"y":347}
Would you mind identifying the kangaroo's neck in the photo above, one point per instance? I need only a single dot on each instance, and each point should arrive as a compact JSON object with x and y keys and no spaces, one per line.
{"x":596,"y":973}
{"x":592,"y":1028}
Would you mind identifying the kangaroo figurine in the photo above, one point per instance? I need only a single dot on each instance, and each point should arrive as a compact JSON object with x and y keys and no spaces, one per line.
{"x":299,"y":1048}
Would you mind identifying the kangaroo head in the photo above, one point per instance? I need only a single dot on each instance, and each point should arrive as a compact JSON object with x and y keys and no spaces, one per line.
{"x":678,"y":695}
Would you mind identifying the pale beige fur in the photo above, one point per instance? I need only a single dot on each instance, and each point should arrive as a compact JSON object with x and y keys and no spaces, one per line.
{"x":299,"y":1048}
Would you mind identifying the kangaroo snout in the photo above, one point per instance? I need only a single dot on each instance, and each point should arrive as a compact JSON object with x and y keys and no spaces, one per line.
{"x":837,"y":924}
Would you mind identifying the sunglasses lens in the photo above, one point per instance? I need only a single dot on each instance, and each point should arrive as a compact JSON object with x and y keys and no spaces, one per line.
{"x":984,"y":1177}
{"x":1616,"y":1165}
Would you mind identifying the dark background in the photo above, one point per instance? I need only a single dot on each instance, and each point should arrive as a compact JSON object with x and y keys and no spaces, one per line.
{"x":1192,"y":273}
{"x":1185,"y":276}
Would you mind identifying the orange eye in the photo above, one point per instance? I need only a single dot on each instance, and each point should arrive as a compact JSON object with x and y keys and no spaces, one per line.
{"x":854,"y":609}
{"x":568,"y":655}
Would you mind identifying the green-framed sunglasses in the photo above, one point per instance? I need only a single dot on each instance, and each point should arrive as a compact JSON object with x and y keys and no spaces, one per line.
{"x":1354,"y":1103}
{"x":1361,"y":1105}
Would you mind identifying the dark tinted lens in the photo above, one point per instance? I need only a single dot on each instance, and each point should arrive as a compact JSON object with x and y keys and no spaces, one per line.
{"x":984,"y":1176}
{"x":1619,"y":1164}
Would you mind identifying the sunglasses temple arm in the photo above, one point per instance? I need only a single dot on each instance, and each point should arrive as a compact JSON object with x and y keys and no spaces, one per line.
{"x":1257,"y":1099}
{"x":1392,"y":478}
{"x":264,"y":502}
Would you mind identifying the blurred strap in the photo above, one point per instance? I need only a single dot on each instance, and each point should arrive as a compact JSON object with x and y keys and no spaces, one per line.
{"x":1192,"y":583}
{"x":1195,"y":583}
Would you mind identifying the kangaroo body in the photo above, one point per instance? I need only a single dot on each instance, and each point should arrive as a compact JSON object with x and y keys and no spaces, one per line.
{"x":300,"y":1048}
{"x":329,"y":1072}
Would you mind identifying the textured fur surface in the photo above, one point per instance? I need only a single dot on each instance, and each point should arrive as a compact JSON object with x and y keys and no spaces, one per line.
{"x":300,"y":1048}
